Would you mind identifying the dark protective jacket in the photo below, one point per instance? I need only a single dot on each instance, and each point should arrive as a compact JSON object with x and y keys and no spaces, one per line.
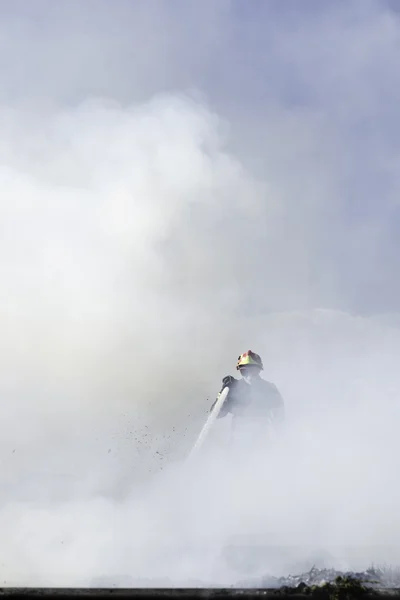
{"x":260,"y":401}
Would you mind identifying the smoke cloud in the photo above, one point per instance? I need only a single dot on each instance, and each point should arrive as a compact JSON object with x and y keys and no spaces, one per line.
{"x":180,"y":184}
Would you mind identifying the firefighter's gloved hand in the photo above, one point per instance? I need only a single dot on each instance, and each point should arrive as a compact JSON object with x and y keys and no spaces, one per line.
{"x":229,"y":381}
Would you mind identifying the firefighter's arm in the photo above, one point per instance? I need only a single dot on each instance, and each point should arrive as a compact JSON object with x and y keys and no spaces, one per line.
{"x":278,"y":410}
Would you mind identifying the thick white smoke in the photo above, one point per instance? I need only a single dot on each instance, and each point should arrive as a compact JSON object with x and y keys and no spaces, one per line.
{"x":143,"y":246}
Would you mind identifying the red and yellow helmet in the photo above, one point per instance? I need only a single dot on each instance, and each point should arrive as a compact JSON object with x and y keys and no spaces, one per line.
{"x":249,"y":358}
